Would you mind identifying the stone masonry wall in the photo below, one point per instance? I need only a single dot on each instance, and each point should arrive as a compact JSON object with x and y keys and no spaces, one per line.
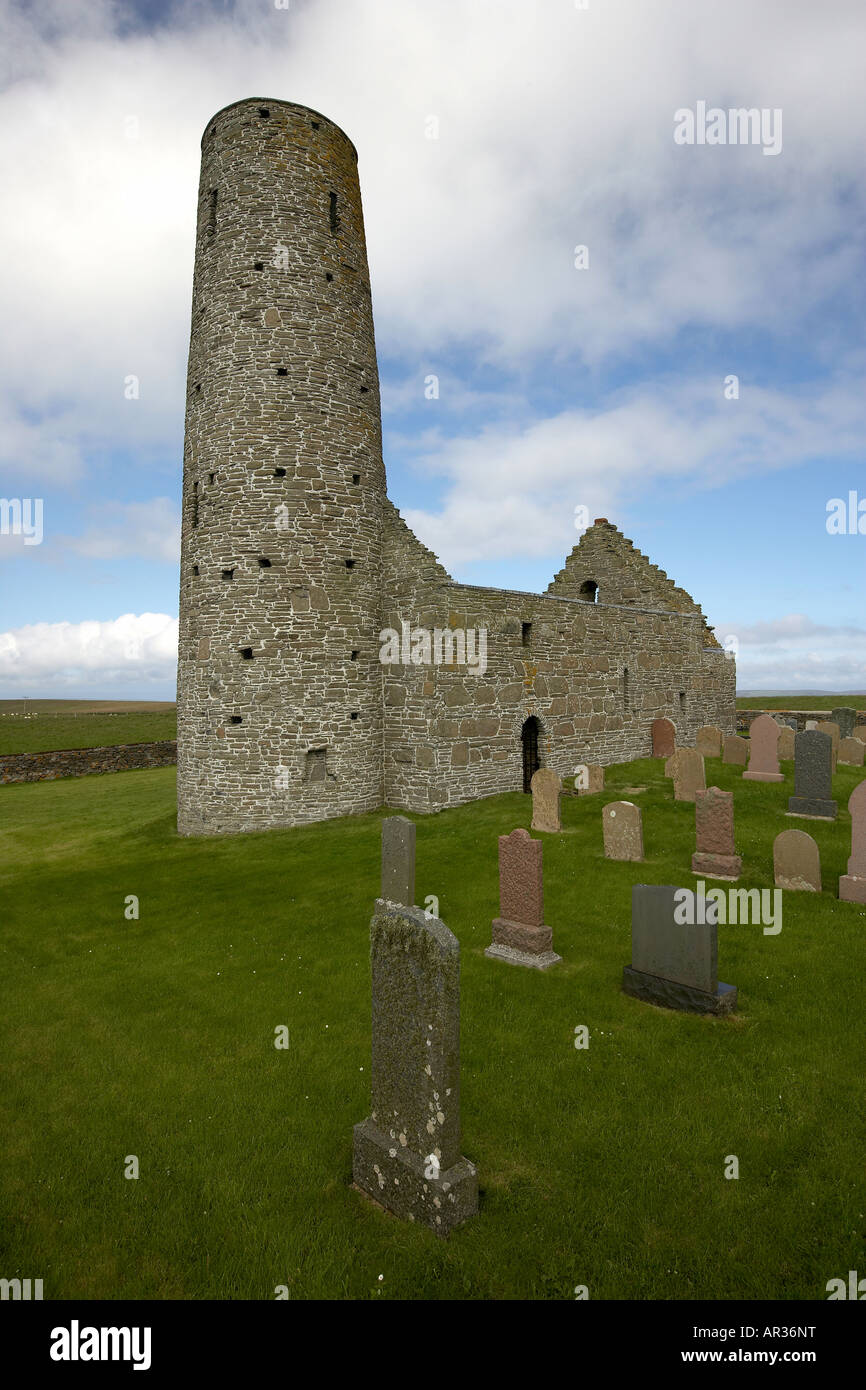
{"x":82,"y":762}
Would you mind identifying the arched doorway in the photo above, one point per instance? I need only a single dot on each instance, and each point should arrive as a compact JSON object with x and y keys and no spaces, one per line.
{"x":531,"y":762}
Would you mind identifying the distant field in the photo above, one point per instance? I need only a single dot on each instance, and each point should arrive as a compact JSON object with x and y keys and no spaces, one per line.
{"x":54,"y":724}
{"x":800,"y":701}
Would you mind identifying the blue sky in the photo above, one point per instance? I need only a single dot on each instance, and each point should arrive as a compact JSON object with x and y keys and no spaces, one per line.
{"x":558,"y":386}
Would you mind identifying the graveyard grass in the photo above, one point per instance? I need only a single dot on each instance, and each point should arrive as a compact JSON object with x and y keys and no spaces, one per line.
{"x":602,"y":1167}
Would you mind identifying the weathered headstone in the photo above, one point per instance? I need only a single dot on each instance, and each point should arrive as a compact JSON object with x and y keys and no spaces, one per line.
{"x":623,"y":830}
{"x":851,"y":752}
{"x":398,"y":860}
{"x":589,"y":780}
{"x":674,"y":962}
{"x":664,"y":737}
{"x":786,"y":744}
{"x":407,"y":1153}
{"x":811,"y":724}
{"x":519,"y":934}
{"x":736,"y":751}
{"x":686,"y":767}
{"x":852,"y":886}
{"x":844,"y":716}
{"x":708,"y":741}
{"x":860,"y":732}
{"x":715,"y":855}
{"x":796,"y":862}
{"x":763,"y":751}
{"x":813,"y":776}
{"x":829,"y":726}
{"x":546,"y":789}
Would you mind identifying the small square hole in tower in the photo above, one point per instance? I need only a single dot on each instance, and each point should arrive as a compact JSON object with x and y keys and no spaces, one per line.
{"x":355,"y":655}
{"x":264,"y":112}
{"x":279,"y":472}
{"x":282,"y":371}
{"x":247,"y":653}
{"x":356,"y":478}
{"x":350,"y":564}
{"x":228,"y":574}
{"x":237,"y":719}
{"x":264,"y":562}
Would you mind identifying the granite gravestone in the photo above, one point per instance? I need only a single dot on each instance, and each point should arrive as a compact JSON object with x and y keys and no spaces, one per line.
{"x":796,"y":862}
{"x":763,"y":751}
{"x":852,"y":886}
{"x":686,"y":767}
{"x":546,"y":791}
{"x":785,"y":747}
{"x":851,"y":752}
{"x":398,"y":860}
{"x":518,"y":933}
{"x":708,"y":741}
{"x":673,"y":961}
{"x":813,"y":776}
{"x":664,"y":737}
{"x":623,"y":830}
{"x":715,"y":855}
{"x":844,"y":716}
{"x":829,"y":726}
{"x":736,"y":751}
{"x":407,"y":1153}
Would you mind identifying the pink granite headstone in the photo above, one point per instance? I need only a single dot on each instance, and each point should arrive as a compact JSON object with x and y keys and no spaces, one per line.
{"x":852,"y":886}
{"x":519,"y":934}
{"x":763,"y":751}
{"x":664,"y":737}
{"x":715,"y":855}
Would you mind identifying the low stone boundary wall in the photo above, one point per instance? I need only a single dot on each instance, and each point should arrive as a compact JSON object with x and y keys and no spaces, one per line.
{"x":794,"y":718}
{"x":82,"y":762}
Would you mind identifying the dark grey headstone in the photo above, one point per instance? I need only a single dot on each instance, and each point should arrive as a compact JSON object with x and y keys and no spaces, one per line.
{"x":844,"y":716}
{"x":398,"y":860}
{"x":673,"y":963}
{"x":813,"y":775}
{"x":415,"y":1115}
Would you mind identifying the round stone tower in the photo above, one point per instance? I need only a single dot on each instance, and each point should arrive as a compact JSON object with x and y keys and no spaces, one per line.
{"x":279,"y":686}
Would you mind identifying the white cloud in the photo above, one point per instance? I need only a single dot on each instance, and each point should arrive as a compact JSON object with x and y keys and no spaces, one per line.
{"x":796,"y":653}
{"x":137,"y":650}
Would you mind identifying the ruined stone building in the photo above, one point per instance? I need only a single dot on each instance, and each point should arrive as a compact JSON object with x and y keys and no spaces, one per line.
{"x":294,"y":560}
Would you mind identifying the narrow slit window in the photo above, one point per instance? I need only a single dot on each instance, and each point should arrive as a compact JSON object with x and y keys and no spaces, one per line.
{"x":356,"y":478}
{"x":526,"y":633}
{"x":335,"y":216}
{"x":212,"y":211}
{"x":625,"y":692}
{"x":195,"y":504}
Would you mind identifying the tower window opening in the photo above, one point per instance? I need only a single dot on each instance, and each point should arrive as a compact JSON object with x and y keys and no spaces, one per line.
{"x":228,"y":574}
{"x":237,"y":719}
{"x":211,"y":477}
{"x":195,"y":569}
{"x":526,"y":633}
{"x":316,"y":768}
{"x":355,"y":656}
{"x":354,"y":714}
{"x":247,"y":653}
{"x":282,"y":371}
{"x":198,"y":386}
{"x":589,"y":591}
{"x":356,"y":478}
{"x":328,"y":276}
{"x":625,"y":691}
{"x":195,"y":504}
{"x":258,"y":265}
{"x":279,"y":472}
{"x":264,"y":562}
{"x":264,"y":112}
{"x":212,"y":211}
{"x":335,"y":217}
{"x":350,"y":564}
{"x":364,"y":390}
{"x":682,"y":699}
{"x":314,"y":125}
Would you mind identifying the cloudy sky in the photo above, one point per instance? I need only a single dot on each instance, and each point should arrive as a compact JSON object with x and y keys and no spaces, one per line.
{"x":561,"y":385}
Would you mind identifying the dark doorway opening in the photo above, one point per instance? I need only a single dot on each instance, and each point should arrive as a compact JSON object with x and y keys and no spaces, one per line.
{"x":531,"y":763}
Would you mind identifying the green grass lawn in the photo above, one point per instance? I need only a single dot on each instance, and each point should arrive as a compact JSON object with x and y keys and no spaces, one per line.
{"x":49,"y":725}
{"x":799,"y":702}
{"x":602,"y":1167}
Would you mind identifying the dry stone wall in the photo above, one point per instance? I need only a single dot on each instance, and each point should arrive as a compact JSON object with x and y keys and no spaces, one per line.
{"x":82,"y":762}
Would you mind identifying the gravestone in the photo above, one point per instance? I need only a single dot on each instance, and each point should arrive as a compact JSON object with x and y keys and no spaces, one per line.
{"x":715,"y":855}
{"x":811,"y":724}
{"x":407,"y":1153}
{"x":708,"y":741}
{"x":763,"y":751}
{"x":398,"y":860}
{"x":852,"y":886}
{"x":623,"y":830}
{"x":546,"y":791}
{"x":813,"y":776}
{"x":593,"y":778}
{"x":844,"y":716}
{"x":674,"y":963}
{"x":736,"y":751}
{"x":786,"y":744}
{"x":664,"y":737}
{"x":860,"y":732}
{"x":686,"y":767}
{"x":519,"y":934}
{"x":851,"y":752}
{"x":796,"y":862}
{"x":829,"y":726}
